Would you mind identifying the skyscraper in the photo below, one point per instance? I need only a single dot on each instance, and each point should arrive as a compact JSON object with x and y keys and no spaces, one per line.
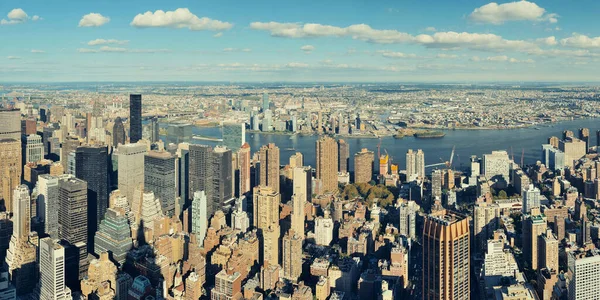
{"x":265,"y":102}
{"x":344,"y":157}
{"x":154,"y":130}
{"x":446,"y":259}
{"x":415,"y":164}
{"x":72,"y":210}
{"x":52,"y":271}
{"x":199,"y":215}
{"x":292,"y":256}
{"x":47,"y":203}
{"x":327,"y":160}
{"x":363,"y":166}
{"x":531,"y":198}
{"x":10,"y":124}
{"x":91,"y":165}
{"x":33,"y":148}
{"x":234,"y":135}
{"x":244,"y":170}
{"x":11,"y":168}
{"x":266,"y":207}
{"x":269,"y":166}
{"x":302,"y":183}
{"x":324,"y":230}
{"x":298,"y":204}
{"x":113,"y":236}
{"x":135,"y":118}
{"x":130,"y":160}
{"x":119,"y":136}
{"x":584,"y":265}
{"x":296,"y":160}
{"x":270,"y":246}
{"x":160,"y":178}
{"x":221,"y":189}
{"x":200,"y":173}
{"x":533,"y":226}
{"x":69,"y":145}
{"x":584,"y":135}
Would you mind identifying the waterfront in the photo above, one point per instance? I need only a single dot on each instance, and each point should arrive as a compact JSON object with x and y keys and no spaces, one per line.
{"x":466,"y":143}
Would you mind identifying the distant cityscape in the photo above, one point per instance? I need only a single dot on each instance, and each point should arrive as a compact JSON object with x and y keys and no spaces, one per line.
{"x":106,"y":195}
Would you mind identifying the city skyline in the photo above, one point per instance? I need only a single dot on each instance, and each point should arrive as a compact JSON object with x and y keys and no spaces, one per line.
{"x":479,"y":41}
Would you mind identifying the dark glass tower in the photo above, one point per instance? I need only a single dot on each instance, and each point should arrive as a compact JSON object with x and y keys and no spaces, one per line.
{"x":135,"y":118}
{"x":199,"y":162}
{"x":118,"y":132}
{"x":91,"y":165}
{"x":160,"y":178}
{"x":221,"y":190}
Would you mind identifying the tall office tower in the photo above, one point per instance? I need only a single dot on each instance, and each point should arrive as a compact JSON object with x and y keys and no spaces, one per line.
{"x":408,"y":212}
{"x":292,"y":255}
{"x":446,"y":258}
{"x":130,"y":166}
{"x":531,"y":198}
{"x":29,"y":126}
{"x":298,"y":204}
{"x":266,"y":207}
{"x":119,"y":136}
{"x":533,"y":227}
{"x":234,"y":135}
{"x":436,"y":185}
{"x":183,"y":176}
{"x":584,"y":135}
{"x":573,"y":148}
{"x":21,"y":254}
{"x":160,"y":178}
{"x":47,"y":203}
{"x":69,"y":145}
{"x":323,"y":230}
{"x":114,"y":236}
{"x":33,"y":148}
{"x":265,"y":102}
{"x":239,"y":218}
{"x":363,"y":166}
{"x":267,"y":122}
{"x":200,"y":215}
{"x":415,"y":164}
{"x":72,"y":210}
{"x":52,"y":271}
{"x":270,"y":246}
{"x":91,"y":165}
{"x":269,"y":166}
{"x":146,"y":208}
{"x":496,"y":167}
{"x":244,"y":159}
{"x":344,"y":156}
{"x":200,"y":172}
{"x":296,"y":160}
{"x":228,"y":285}
{"x":302,"y":184}
{"x":10,"y":124}
{"x":135,"y":118}
{"x":11,"y":168}
{"x":584,"y":267}
{"x":154,"y":130}
{"x":47,"y":133}
{"x":548,"y":251}
{"x":327,"y":159}
{"x":221,"y":189}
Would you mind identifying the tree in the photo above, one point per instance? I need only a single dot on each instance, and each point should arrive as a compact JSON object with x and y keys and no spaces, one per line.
{"x":350,"y":192}
{"x":502,"y":194}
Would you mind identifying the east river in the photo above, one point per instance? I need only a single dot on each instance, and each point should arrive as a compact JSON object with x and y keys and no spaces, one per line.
{"x":466,"y":143}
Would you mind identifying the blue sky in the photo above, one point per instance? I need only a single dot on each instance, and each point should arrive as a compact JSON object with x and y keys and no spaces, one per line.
{"x":376,"y":40}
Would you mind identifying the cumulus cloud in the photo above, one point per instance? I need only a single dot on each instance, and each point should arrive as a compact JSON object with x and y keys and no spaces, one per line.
{"x":494,"y":13}
{"x":108,"y":49}
{"x":548,"y":41}
{"x":218,"y":34}
{"x":37,"y":51}
{"x":430,"y":28}
{"x":97,"y":42}
{"x":237,"y":50}
{"x":449,"y":56}
{"x":17,"y":16}
{"x":13,"y":57}
{"x":363,"y":32}
{"x":392,"y":54}
{"x":307,"y":48}
{"x":180,"y":18}
{"x":502,"y":58}
{"x":93,"y":20}
{"x":581,"y":41}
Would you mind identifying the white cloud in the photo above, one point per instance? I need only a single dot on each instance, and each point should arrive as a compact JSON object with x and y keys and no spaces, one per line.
{"x":478,"y":41}
{"x":307,"y":48}
{"x":13,"y":57}
{"x":17,"y":16}
{"x":497,"y":58}
{"x":237,"y":50}
{"x":444,"y":55}
{"x":36,"y":18}
{"x":494,"y":13}
{"x":180,"y":18}
{"x":218,"y":34}
{"x":37,"y":51}
{"x":548,"y":41}
{"x":475,"y":58}
{"x":87,"y":50}
{"x":246,"y":50}
{"x":112,"y":49}
{"x":391,"y":54}
{"x":97,"y":42}
{"x":581,"y":41}
{"x":583,"y":53}
{"x":502,"y":58}
{"x":430,"y":28}
{"x":93,"y":20}
{"x":296,"y":65}
{"x":108,"y":49}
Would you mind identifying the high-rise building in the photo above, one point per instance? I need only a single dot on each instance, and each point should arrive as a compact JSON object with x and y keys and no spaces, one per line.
{"x":154,"y":130}
{"x":327,"y":160}
{"x":548,"y":251}
{"x":531,"y":198}
{"x":48,"y":203}
{"x":239,"y":218}
{"x":119,"y":136}
{"x":10,"y":124}
{"x":584,"y":135}
{"x":221,"y":189}
{"x":267,"y":122}
{"x":33,"y":148}
{"x":265,"y":102}
{"x":533,"y":226}
{"x":446,"y":256}
{"x":584,"y":267}
{"x":91,"y":165}
{"x":266,"y":207}
{"x":114,"y":236}
{"x":200,"y":172}
{"x":179,"y":133}
{"x":344,"y":156}
{"x":227,"y":286}
{"x":496,"y":167}
{"x":415,"y":164}
{"x":363,"y":166}
{"x":130,"y":166}
{"x":323,"y":230}
{"x":270,"y":246}
{"x":52,"y":271}
{"x":234,"y":135}
{"x":298,"y":204}
{"x":292,"y":256}
{"x":135,"y":118}
{"x":199,"y":215}
{"x":11,"y":168}
{"x":72,"y":210}
{"x":69,"y":145}
{"x":302,"y":183}
{"x":244,"y":159}
{"x":408,"y":212}
{"x":160,"y":178}
{"x":269,"y":166}
{"x":573,"y":148}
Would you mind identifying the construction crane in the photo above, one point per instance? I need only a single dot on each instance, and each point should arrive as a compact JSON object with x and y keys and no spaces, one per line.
{"x":448,"y":164}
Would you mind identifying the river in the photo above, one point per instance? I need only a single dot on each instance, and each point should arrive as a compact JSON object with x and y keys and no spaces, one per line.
{"x":466,"y":143}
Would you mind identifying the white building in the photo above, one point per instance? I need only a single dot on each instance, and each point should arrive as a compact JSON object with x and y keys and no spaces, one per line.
{"x":130,"y":161}
{"x":47,"y":203}
{"x":584,"y":282}
{"x":531,"y":198}
{"x":34,"y":148}
{"x":496,"y":167}
{"x":52,"y":271}
{"x":199,"y":215}
{"x":298,"y":214}
{"x":408,"y":212}
{"x":239,"y":218}
{"x":415,"y":164}
{"x":323,"y":230}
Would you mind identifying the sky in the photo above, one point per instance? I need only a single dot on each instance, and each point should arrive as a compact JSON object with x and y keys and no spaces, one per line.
{"x":299,"y":41}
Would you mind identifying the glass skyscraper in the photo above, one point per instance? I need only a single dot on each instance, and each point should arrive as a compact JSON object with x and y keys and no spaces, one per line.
{"x":114,"y":236}
{"x":234,"y":135}
{"x":135,"y":118}
{"x":160,"y":178}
